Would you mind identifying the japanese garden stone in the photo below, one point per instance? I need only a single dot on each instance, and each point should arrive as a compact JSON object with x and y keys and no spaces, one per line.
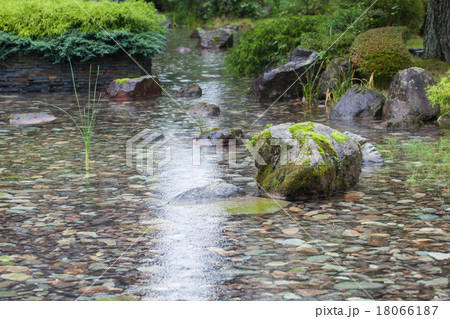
{"x":408,"y":97}
{"x":203,"y":109}
{"x":304,"y":159}
{"x":215,"y":189}
{"x":133,"y":89}
{"x":273,"y":83}
{"x":193,"y":90}
{"x":31,"y":118}
{"x":215,"y":39}
{"x":335,"y":72}
{"x":358,"y":102}
{"x":370,"y":154}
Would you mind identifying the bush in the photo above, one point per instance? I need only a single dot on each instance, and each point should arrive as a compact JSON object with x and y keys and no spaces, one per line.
{"x":408,"y":13}
{"x":270,"y":42}
{"x":440,"y":93}
{"x":53,"y":18}
{"x":79,"y":45}
{"x":381,"y":51}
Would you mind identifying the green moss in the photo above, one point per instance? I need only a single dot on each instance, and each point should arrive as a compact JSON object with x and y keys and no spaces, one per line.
{"x":126,"y":79}
{"x":301,"y":131}
{"x":338,"y":136}
{"x":265,"y":134}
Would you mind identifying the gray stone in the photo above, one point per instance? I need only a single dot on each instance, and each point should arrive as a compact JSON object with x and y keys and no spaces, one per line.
{"x":223,"y":134}
{"x":215,"y":39}
{"x":204,"y":109}
{"x":358,"y":102}
{"x":358,"y":285}
{"x":133,"y":89}
{"x":408,"y":96}
{"x":193,"y":90}
{"x":336,"y":71}
{"x":31,"y":118}
{"x":306,"y":159}
{"x":215,"y":189}
{"x":407,"y":122}
{"x":273,"y":83}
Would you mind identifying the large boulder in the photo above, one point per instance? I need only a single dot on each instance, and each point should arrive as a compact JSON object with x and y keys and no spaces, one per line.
{"x":215,"y":189}
{"x":193,"y":90}
{"x":407,"y":96}
{"x":335,"y":72}
{"x":203,"y":109}
{"x":304,"y":159}
{"x":272,"y":84}
{"x":358,"y":102}
{"x":31,"y":118}
{"x":214,"y":39}
{"x":134,"y":89}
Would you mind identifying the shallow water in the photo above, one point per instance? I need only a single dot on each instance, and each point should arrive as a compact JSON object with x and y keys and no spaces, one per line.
{"x":61,"y":230}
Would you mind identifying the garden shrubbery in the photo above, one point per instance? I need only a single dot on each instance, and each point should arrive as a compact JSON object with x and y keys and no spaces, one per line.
{"x":381,"y":51}
{"x":440,"y":93}
{"x":59,"y":29}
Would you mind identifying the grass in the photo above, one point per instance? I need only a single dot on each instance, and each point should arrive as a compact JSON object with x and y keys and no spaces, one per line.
{"x":427,"y":163}
{"x":87,"y":115}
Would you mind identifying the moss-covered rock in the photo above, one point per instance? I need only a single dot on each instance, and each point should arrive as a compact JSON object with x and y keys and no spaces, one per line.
{"x":305,"y":159}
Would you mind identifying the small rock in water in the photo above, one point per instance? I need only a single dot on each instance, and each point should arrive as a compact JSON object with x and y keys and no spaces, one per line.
{"x":31,"y":118}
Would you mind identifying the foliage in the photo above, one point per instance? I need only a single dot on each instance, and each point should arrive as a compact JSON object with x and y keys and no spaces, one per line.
{"x":408,"y":13}
{"x":440,"y":93}
{"x":83,"y":46}
{"x":269,"y":43}
{"x":53,"y":18}
{"x":188,"y":11}
{"x":380,"y":51}
{"x":87,"y":115}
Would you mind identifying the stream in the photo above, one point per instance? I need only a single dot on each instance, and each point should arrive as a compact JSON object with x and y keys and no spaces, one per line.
{"x":118,"y":234}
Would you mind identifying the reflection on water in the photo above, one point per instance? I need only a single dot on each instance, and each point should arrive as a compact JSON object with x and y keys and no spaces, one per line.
{"x":56,"y":224}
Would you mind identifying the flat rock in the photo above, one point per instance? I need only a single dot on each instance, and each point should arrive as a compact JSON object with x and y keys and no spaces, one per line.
{"x":31,"y":118}
{"x":358,"y":102}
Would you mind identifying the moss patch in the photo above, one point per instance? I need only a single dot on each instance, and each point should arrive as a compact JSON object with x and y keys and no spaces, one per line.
{"x":338,"y":136}
{"x":301,"y":131}
{"x":255,"y":205}
{"x":125,"y":79}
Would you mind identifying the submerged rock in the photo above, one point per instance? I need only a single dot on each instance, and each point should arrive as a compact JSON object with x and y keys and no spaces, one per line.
{"x":215,"y":189}
{"x":407,"y":122}
{"x":214,"y":39}
{"x":370,"y":154}
{"x":133,"y":89}
{"x":222,"y":134}
{"x":272,"y":84}
{"x":182,"y":50}
{"x":193,"y":90}
{"x":305,"y":159}
{"x":358,"y":102}
{"x":204,"y":109}
{"x":31,"y":118}
{"x":408,"y":96}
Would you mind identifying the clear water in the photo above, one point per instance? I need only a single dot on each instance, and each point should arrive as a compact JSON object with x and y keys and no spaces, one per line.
{"x":120,"y":230}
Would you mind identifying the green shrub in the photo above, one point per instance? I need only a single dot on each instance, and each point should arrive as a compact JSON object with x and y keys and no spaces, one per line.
{"x":80,"y":45}
{"x":52,"y":18}
{"x":381,"y":51}
{"x":440,"y":93}
{"x":270,"y":42}
{"x":408,"y":13}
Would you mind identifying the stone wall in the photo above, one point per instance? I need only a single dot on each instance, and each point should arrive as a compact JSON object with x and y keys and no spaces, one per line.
{"x":35,"y":74}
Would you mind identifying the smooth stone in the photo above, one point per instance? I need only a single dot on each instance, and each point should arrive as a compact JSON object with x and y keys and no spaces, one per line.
{"x":291,"y":241}
{"x":292,"y":296}
{"x":276,"y":263}
{"x":317,"y":259}
{"x":437,"y":282}
{"x":359,"y":285}
{"x":428,"y":217}
{"x":439,"y":256}
{"x":16,"y":276}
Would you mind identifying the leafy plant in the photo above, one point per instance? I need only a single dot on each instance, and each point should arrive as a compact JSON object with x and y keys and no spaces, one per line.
{"x":53,"y":18}
{"x":76,"y":44}
{"x":87,"y":115}
{"x":440,"y":93}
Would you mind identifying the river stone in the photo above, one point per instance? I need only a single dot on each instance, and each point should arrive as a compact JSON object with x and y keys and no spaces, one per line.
{"x":222,"y":134}
{"x":133,"y":89}
{"x":273,"y":83}
{"x":358,"y":285}
{"x":215,"y":39}
{"x":305,"y":159}
{"x":370,"y":154}
{"x":31,"y":118}
{"x":338,"y":69}
{"x":193,"y":90}
{"x":215,"y":189}
{"x":203,"y":109}
{"x":407,"y":122}
{"x":358,"y":102}
{"x":408,"y":96}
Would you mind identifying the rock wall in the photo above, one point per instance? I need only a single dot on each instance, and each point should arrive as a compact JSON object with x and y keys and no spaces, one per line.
{"x":24,"y":73}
